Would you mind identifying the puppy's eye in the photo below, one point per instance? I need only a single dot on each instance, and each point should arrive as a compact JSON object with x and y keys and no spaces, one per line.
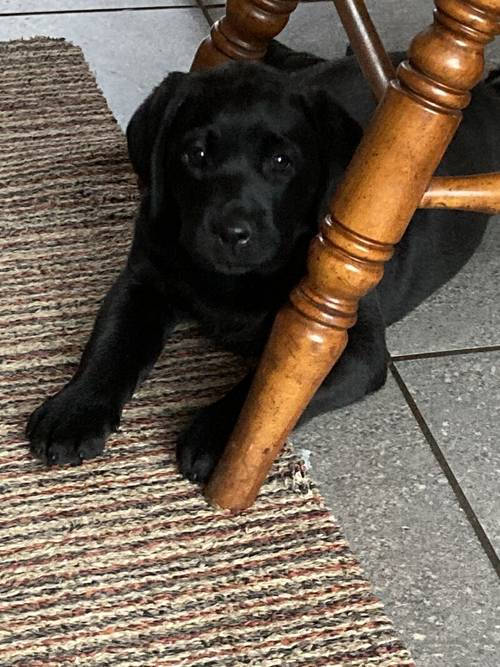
{"x":194,"y":156}
{"x":280,"y":161}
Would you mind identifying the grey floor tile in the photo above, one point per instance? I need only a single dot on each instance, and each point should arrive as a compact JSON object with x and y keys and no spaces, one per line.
{"x":315,"y":27}
{"x":381,"y":480}
{"x":464,"y":313}
{"x":14,"y":6}
{"x":130,"y":52}
{"x":459,"y":397}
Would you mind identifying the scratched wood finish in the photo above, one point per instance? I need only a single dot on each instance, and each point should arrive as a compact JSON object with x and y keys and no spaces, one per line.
{"x":244,"y":32}
{"x":480,"y":193}
{"x":366,"y":44}
{"x":369,"y":213}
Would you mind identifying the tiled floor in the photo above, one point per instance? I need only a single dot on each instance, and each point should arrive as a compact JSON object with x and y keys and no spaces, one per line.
{"x":412,"y":472}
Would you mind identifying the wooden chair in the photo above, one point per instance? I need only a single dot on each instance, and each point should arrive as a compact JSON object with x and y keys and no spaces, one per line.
{"x":389,"y":177}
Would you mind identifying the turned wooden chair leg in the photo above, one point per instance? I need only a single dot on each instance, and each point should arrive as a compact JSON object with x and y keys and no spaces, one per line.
{"x":369,"y":213}
{"x":244,"y":32}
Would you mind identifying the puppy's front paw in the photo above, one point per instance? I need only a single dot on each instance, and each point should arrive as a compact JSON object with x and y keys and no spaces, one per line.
{"x":70,"y":427}
{"x":200,"y":447}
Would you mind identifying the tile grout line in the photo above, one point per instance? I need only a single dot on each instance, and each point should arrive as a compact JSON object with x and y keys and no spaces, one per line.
{"x":101,"y":10}
{"x":448,"y":472}
{"x":444,"y":353}
{"x":193,"y":4}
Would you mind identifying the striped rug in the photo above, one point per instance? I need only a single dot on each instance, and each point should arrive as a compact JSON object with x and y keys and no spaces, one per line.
{"x":120,"y":561}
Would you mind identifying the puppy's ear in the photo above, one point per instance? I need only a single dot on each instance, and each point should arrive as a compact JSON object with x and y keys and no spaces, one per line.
{"x":338,"y":133}
{"x":151,"y":118}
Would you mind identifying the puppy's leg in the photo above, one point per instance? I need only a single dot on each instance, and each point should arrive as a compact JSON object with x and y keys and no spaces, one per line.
{"x":361,"y":369}
{"x":201,"y":445}
{"x":128,"y":336}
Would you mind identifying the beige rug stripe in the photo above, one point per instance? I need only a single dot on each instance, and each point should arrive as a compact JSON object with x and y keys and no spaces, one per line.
{"x":120,"y":561}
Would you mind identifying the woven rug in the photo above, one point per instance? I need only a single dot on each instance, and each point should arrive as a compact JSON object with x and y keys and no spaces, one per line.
{"x":120,"y":561}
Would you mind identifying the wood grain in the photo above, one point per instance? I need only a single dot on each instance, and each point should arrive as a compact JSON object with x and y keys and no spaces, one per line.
{"x":480,"y":193}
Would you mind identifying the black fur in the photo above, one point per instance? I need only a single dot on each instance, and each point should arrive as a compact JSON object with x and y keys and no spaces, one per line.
{"x":235,"y":166}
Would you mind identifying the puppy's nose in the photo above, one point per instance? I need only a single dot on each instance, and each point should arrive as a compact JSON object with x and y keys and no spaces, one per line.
{"x":236,"y":234}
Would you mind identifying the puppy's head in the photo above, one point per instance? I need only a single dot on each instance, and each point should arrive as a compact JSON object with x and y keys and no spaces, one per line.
{"x":243,"y":157}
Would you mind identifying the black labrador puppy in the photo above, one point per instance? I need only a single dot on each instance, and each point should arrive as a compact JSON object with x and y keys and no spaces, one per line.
{"x":236,"y":165}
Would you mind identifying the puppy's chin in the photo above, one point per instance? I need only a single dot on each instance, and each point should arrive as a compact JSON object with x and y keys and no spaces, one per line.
{"x":229,"y":264}
{"x":232,"y":269}
{"x":229,"y":267}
